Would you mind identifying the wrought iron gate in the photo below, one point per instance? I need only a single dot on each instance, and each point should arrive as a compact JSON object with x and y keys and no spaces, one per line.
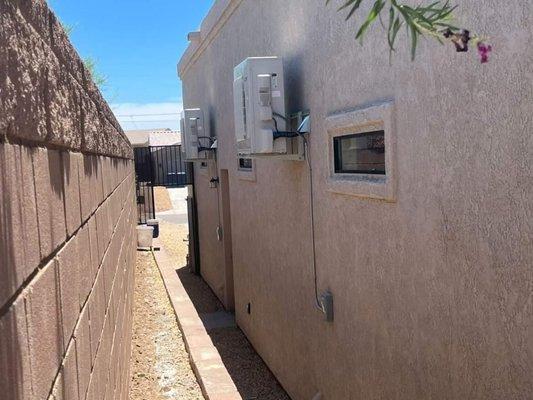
{"x":145,"y":202}
{"x":157,"y":166}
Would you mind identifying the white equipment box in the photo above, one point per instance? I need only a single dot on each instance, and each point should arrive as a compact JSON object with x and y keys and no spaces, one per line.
{"x":197,"y":141}
{"x":260,"y":115}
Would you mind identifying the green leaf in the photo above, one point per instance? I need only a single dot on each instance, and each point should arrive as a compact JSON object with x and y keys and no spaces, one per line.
{"x":374,"y":12}
{"x":354,"y":9}
{"x":414,"y":41}
{"x":422,"y":20}
{"x":391,"y":26}
{"x":395,"y":29}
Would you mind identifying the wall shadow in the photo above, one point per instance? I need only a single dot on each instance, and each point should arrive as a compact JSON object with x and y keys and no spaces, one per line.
{"x":251,"y":376}
{"x":11,"y":357}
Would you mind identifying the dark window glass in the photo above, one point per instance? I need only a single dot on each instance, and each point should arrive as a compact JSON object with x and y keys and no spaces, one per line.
{"x":362,"y":153}
{"x":245,"y":163}
{"x":203,"y":164}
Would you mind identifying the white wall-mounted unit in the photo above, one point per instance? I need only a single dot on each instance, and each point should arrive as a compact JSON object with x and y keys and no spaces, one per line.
{"x":260,"y":115}
{"x":197,"y":141}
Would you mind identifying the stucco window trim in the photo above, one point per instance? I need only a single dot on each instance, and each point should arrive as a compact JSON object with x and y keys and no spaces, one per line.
{"x":206,"y":170}
{"x":247,"y":174}
{"x":375,"y":117}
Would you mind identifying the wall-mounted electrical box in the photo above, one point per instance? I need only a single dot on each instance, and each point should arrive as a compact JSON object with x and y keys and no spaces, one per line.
{"x":260,"y":114}
{"x":197,"y":142}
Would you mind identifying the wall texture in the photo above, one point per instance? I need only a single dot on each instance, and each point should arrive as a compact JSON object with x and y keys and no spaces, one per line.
{"x":67,"y":219}
{"x":433,"y":290}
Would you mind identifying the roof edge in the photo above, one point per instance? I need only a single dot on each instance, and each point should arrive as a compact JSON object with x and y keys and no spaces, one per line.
{"x":211,"y":25}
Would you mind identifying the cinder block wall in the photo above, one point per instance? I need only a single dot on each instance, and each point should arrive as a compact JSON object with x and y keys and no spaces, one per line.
{"x":67,"y":219}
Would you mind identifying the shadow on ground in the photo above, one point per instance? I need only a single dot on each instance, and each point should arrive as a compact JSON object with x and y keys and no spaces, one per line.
{"x":250,"y":374}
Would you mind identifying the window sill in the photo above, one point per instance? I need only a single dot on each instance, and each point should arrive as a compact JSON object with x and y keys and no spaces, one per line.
{"x":362,"y":186}
{"x":246,"y":175}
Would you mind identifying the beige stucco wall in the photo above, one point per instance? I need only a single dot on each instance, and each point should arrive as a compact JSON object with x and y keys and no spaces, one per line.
{"x":67,"y":220}
{"x":208,"y":222}
{"x":433,"y":292}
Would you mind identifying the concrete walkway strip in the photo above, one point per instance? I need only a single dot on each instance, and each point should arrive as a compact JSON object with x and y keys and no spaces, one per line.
{"x":212,"y":375}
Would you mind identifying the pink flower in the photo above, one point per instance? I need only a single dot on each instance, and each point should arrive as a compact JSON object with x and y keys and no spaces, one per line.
{"x":484,"y":50}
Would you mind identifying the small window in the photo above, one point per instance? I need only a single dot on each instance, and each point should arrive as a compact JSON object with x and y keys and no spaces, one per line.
{"x":246,"y":169}
{"x":245,"y":164}
{"x":203,"y":165}
{"x":361,"y":153}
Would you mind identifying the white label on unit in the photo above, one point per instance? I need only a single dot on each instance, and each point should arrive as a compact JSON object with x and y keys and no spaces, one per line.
{"x":276,"y":93}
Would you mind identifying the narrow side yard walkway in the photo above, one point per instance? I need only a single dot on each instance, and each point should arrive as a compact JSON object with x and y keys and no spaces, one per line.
{"x":251,"y":376}
{"x":160,"y":363}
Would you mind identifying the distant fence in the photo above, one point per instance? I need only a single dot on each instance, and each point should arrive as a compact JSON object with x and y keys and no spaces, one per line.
{"x":157,"y":166}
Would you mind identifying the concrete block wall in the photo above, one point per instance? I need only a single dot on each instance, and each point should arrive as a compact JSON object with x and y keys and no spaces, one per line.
{"x":67,"y":219}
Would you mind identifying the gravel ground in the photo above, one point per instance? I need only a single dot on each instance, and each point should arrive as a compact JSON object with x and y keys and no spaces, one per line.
{"x":251,"y":376}
{"x":172,"y":236}
{"x":162,"y":199}
{"x":160,"y":363}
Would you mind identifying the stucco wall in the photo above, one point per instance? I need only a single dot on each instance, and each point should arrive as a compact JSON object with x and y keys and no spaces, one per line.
{"x":209,"y":219}
{"x":67,"y":219}
{"x":433,"y":291}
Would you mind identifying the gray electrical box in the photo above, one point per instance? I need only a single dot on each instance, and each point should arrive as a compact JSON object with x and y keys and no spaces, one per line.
{"x":260,"y":114}
{"x":326,"y":300}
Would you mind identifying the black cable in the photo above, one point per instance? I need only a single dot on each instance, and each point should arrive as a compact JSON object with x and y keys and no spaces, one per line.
{"x":312,"y":210}
{"x":282,"y":134}
{"x":220,"y":228}
{"x":211,"y":141}
{"x":281,"y":116}
{"x":279,"y":134}
{"x":275,"y":124}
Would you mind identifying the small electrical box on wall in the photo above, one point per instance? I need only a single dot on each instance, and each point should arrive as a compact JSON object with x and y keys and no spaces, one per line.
{"x":197,"y":142}
{"x":260,"y":115}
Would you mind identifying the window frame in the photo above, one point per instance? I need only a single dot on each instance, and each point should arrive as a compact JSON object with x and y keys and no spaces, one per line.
{"x":337,"y":153}
{"x":371,"y":118}
{"x":245,"y":169}
{"x":246,"y":174}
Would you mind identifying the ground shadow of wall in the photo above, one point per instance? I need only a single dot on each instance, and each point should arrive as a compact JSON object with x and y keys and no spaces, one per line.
{"x":250,"y":374}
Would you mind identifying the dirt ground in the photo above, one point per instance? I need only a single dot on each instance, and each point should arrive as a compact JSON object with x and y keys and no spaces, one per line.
{"x":251,"y":376}
{"x":160,"y":363}
{"x":162,"y":199}
{"x":173,"y":237}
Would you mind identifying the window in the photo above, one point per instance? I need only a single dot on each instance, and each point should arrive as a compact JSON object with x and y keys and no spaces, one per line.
{"x":246,"y":169}
{"x":245,"y":164}
{"x":203,"y":165}
{"x":361,"y":153}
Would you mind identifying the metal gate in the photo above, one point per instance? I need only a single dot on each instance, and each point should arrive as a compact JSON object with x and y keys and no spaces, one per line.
{"x":156,"y":166}
{"x":145,"y":202}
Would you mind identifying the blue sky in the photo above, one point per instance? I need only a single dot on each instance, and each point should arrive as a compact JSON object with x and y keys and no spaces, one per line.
{"x":136,"y":44}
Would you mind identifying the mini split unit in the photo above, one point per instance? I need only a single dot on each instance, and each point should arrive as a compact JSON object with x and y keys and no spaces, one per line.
{"x":260,"y":116}
{"x":198,"y":145}
{"x":261,"y":122}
